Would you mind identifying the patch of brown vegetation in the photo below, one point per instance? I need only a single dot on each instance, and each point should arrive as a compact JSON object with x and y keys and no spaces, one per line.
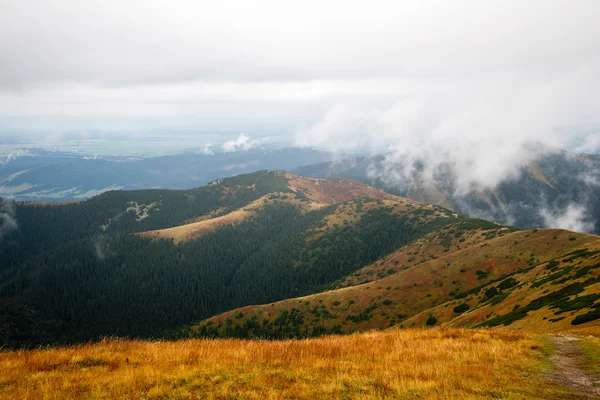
{"x":535,"y":171}
{"x":350,"y":212}
{"x":335,"y":190}
{"x":205,"y":224}
{"x":209,"y":222}
{"x":544,"y":319}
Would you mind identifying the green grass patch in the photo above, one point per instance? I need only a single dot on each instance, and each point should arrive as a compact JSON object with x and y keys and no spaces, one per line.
{"x":550,"y":299}
{"x":591,"y":354}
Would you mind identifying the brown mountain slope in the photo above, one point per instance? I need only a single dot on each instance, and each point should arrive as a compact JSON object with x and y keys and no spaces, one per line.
{"x":435,"y":287}
{"x":335,"y":190}
{"x":446,"y":240}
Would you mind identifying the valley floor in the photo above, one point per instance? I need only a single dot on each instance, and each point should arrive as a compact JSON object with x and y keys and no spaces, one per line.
{"x":434,"y":363}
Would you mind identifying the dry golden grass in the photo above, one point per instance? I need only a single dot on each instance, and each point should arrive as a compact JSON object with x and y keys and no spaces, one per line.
{"x":432,"y":364}
{"x":194,"y":230}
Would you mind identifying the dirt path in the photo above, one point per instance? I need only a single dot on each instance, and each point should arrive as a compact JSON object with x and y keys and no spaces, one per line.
{"x":570,"y":367}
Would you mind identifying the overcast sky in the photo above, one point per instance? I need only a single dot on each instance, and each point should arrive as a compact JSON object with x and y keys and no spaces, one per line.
{"x":338,"y":75}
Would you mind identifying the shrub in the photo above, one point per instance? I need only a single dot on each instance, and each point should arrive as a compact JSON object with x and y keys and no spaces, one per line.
{"x":552,"y":264}
{"x":590,"y":316}
{"x":461,"y":308}
{"x":499,"y":299}
{"x":482,"y":274}
{"x":507,"y":283}
{"x":431,"y":321}
{"x":491,"y":292}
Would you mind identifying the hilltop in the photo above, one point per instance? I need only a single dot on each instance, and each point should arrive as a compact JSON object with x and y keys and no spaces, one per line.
{"x":308,"y":194}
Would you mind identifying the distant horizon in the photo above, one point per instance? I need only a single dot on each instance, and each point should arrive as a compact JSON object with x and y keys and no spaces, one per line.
{"x":122,"y":145}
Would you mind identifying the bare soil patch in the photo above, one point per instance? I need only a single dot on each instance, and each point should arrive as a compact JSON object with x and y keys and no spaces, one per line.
{"x":570,"y":367}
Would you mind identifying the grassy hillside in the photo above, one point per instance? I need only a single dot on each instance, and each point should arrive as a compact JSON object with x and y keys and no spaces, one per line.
{"x":558,"y":295}
{"x":432,"y":364}
{"x":540,"y":280}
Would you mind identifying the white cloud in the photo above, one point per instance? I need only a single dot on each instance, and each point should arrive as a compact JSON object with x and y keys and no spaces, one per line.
{"x":102,"y":247}
{"x":8,"y":218}
{"x":590,"y":144}
{"x":242,"y":142}
{"x":381,"y":74}
{"x":480,"y":125}
{"x":573,"y":218}
{"x":208,"y":149}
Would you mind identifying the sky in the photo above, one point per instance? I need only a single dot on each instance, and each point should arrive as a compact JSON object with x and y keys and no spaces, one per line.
{"x":468,"y":82}
{"x":404,"y":76}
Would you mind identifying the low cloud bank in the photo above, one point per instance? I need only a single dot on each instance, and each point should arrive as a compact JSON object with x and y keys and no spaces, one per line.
{"x":8,"y":218}
{"x":574,"y":218}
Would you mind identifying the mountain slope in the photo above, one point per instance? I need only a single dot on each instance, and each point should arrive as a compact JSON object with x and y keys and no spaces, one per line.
{"x":546,"y":268}
{"x":117,"y":264}
{"x":146,"y":263}
{"x":308,"y":194}
{"x":538,"y":195}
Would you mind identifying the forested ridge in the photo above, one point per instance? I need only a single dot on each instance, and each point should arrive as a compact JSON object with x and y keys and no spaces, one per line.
{"x":44,"y":226}
{"x":78,"y":271}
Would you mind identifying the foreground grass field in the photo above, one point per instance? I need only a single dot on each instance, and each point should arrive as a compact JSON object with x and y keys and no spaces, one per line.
{"x":432,"y":364}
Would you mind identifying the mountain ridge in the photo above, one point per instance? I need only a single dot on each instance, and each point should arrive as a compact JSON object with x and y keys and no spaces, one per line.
{"x":542,"y":190}
{"x":152,"y":262}
{"x":99,"y":273}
